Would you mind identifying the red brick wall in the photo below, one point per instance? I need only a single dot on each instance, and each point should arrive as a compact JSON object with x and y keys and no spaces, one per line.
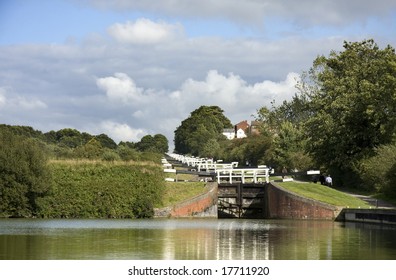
{"x":286,"y":205}
{"x":196,"y":205}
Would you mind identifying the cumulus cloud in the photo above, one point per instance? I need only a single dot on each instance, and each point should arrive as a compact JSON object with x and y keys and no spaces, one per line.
{"x":144,"y":31}
{"x":121,"y":88}
{"x":166,"y":109}
{"x":121,"y":131}
{"x":234,"y":94}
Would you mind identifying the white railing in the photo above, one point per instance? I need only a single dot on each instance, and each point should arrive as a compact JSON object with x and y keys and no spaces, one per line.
{"x":203,"y":163}
{"x":243,"y":175}
{"x":210,"y":166}
{"x":225,"y":171}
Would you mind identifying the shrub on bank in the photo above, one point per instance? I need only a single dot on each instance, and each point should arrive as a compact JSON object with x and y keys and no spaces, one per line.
{"x":379,"y":171}
{"x":96,"y":189}
{"x":24,"y":176}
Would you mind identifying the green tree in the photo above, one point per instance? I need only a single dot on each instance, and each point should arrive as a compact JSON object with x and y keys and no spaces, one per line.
{"x":146,"y":143}
{"x":161,"y":143}
{"x":24,"y":175}
{"x":204,"y":124}
{"x":91,"y":150}
{"x":290,"y":148}
{"x":25,"y":131}
{"x":283,"y":125}
{"x":106,"y":141}
{"x":351,"y":104}
{"x":379,"y":171}
{"x":156,"y":144}
{"x":69,"y":137}
{"x":211,"y":149}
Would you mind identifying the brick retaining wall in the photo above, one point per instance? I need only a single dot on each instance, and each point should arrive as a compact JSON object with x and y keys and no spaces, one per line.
{"x":204,"y":205}
{"x":283,"y":204}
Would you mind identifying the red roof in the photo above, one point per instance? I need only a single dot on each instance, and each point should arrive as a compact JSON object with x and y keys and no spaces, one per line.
{"x":242,"y":125}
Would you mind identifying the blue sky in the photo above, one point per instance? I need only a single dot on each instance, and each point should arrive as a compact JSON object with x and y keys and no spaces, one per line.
{"x":131,"y":68}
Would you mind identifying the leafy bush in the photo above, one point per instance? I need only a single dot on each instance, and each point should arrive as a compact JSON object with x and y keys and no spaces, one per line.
{"x":24,"y":175}
{"x":110,"y":155}
{"x":379,"y":171}
{"x":127,"y":153}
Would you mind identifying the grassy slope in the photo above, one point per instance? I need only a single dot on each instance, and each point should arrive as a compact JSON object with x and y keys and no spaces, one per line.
{"x":176,"y":192}
{"x":324,"y":194}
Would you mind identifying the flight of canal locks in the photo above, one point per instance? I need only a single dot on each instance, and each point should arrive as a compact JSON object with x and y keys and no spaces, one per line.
{"x":248,"y":192}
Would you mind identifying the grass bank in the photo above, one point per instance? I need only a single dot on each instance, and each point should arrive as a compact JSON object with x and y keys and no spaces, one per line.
{"x":324,"y":194}
{"x":98,"y":189}
{"x":177,"y":192}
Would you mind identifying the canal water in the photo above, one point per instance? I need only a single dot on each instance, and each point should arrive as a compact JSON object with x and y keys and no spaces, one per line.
{"x":194,"y":239}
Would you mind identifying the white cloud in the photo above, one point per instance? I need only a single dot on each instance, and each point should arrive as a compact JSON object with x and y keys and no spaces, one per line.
{"x":121,"y":88}
{"x":233,"y":94}
{"x":144,"y":31}
{"x":166,"y":109}
{"x":121,"y":131}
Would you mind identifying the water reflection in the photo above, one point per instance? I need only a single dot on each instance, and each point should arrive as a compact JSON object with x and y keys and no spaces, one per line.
{"x":193,"y":239}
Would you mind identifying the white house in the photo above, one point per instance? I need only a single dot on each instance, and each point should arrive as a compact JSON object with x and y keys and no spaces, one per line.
{"x":241,"y":129}
{"x":229,"y":133}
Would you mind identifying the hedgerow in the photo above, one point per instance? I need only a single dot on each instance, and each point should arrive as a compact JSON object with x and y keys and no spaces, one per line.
{"x":96,"y":189}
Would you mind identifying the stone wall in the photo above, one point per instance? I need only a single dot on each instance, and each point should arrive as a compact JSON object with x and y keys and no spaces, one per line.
{"x":282,"y":204}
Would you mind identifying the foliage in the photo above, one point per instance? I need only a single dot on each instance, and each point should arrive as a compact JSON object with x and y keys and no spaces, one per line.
{"x":106,"y":141}
{"x":283,"y":127}
{"x":157,"y":144}
{"x":24,"y":176}
{"x":204,"y":124}
{"x":91,"y":150}
{"x":379,"y":172}
{"x":25,"y":131}
{"x":253,"y":150}
{"x":79,"y":188}
{"x":211,"y":149}
{"x":352,"y":104}
{"x":95,"y":189}
{"x":110,"y":155}
{"x":290,"y":148}
{"x":128,"y":153}
{"x":344,"y":108}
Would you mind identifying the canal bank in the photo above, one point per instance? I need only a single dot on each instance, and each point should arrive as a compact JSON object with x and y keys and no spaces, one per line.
{"x":268,"y":201}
